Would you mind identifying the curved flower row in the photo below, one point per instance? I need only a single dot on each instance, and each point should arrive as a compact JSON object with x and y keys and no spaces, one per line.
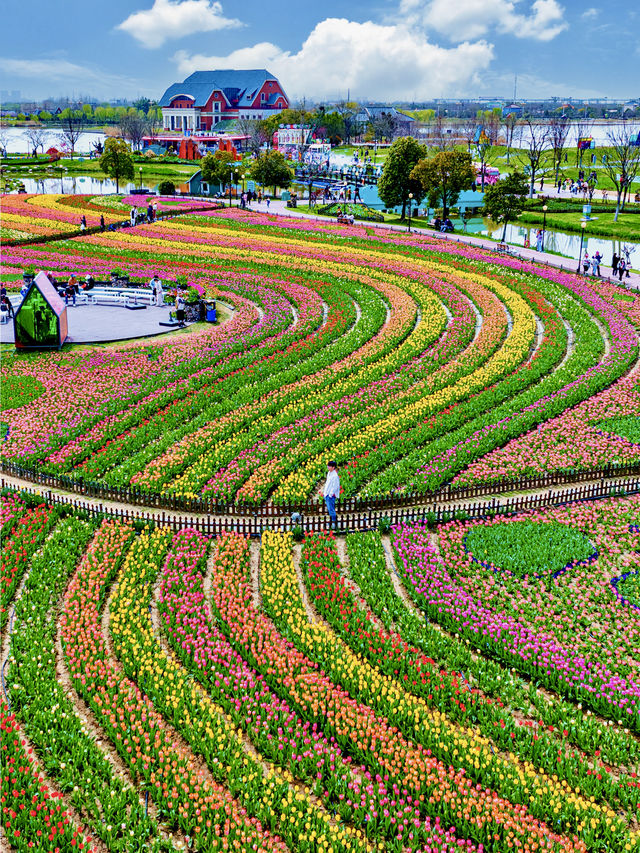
{"x":570,"y":632}
{"x":200,"y":807}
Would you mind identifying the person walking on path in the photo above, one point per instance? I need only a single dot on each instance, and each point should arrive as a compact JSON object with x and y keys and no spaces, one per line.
{"x":615,"y":260}
{"x":102,"y":222}
{"x":133,"y":215}
{"x":539,"y":240}
{"x":595,"y":264}
{"x":621,"y":268}
{"x":332,"y":492}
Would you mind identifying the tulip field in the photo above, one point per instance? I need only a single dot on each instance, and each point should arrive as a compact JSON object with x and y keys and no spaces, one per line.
{"x":472,"y":685}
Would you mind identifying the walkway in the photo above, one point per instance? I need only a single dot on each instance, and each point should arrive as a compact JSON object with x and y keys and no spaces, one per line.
{"x":567,"y":264}
{"x":251,"y":525}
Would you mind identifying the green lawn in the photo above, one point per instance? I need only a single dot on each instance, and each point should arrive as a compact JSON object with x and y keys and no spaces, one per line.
{"x":152,"y":171}
{"x":626,"y":228}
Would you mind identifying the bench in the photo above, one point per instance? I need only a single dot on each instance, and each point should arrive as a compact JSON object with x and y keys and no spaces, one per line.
{"x":137,"y":297}
{"x":105,"y":295}
{"x":503,"y":249}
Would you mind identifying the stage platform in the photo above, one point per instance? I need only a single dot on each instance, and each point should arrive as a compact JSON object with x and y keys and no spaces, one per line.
{"x":99,"y":324}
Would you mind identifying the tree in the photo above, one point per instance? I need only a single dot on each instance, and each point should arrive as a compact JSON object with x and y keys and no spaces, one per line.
{"x":153,"y":122}
{"x":45,"y":115}
{"x":396,"y":181}
{"x":252,"y":128}
{"x":215,"y":167}
{"x":558,"y":133}
{"x":382,"y":126}
{"x":468,"y":130}
{"x":483,"y":148}
{"x":133,"y":126}
{"x":144,"y":104}
{"x":271,"y":169}
{"x":289,"y":116}
{"x":332,"y":126}
{"x":444,"y":176}
{"x":116,"y":161}
{"x":504,"y":201}
{"x":73,"y":124}
{"x":511,"y":131}
{"x":440,"y":139}
{"x":623,"y":161}
{"x":536,"y":140}
{"x":37,"y":137}
{"x":347,"y":110}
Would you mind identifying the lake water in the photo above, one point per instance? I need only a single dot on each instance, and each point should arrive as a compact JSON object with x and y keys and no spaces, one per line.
{"x":558,"y":242}
{"x":17,"y":142}
{"x":81,"y":185}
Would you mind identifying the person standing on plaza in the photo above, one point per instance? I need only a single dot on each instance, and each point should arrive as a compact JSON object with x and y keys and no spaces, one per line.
{"x":133,"y":215}
{"x":331,"y":492}
{"x":180,"y":309}
{"x":156,"y":289}
{"x":71,"y":290}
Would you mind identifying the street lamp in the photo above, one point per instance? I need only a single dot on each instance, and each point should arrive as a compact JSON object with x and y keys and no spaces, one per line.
{"x":243,"y":177}
{"x":583,"y":225}
{"x":544,"y":224}
{"x":231,"y":166}
{"x":410,"y":206}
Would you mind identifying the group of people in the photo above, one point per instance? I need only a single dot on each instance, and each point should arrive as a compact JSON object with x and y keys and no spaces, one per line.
{"x":247,"y":197}
{"x":621,"y":265}
{"x":137,"y":215}
{"x":592,"y":263}
{"x":445,"y":226}
{"x":5,"y":303}
{"x":345,"y":216}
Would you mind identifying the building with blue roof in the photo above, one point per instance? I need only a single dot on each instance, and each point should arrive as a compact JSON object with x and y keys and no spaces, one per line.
{"x":206,"y":98}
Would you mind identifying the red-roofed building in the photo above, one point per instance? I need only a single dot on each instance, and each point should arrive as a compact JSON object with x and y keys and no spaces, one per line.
{"x":206,"y":98}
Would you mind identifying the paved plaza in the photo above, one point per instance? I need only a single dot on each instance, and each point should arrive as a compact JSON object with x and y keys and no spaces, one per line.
{"x":90,"y":324}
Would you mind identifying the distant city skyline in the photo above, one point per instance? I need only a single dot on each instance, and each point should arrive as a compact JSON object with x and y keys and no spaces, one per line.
{"x":389,"y":50}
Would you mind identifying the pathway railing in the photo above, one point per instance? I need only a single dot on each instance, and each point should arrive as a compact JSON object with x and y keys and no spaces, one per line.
{"x":267,"y":510}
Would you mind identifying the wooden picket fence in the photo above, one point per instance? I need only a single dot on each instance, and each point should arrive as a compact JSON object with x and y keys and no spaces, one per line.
{"x":134,"y":496}
{"x":348,"y":520}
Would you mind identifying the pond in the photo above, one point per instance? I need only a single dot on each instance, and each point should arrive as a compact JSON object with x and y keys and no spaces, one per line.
{"x":81,"y":185}
{"x":17,"y":142}
{"x":559,"y":242}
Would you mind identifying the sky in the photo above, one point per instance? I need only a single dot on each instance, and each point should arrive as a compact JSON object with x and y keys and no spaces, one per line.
{"x":381,"y":50}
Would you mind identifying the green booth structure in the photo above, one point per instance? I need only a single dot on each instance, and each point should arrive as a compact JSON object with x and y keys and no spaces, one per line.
{"x":41,"y":320}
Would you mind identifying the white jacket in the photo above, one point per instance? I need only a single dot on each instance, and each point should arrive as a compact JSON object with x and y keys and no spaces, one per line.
{"x":332,"y":485}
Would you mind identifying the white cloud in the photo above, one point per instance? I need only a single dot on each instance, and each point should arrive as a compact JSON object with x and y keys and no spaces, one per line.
{"x":590,"y":14}
{"x":369,"y":59}
{"x":171,"y":19}
{"x":471,"y":19}
{"x":40,"y":73}
{"x":56,"y":69}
